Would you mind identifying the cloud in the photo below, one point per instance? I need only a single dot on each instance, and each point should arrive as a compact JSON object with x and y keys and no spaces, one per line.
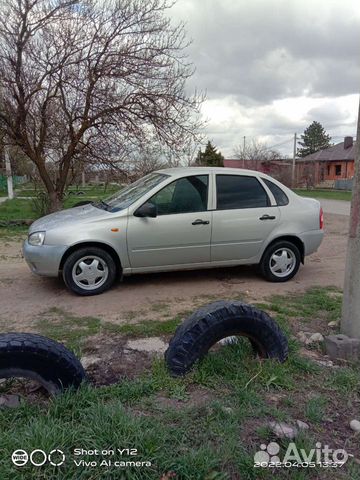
{"x":275,"y":123}
{"x":261,"y":62}
{"x":274,"y":49}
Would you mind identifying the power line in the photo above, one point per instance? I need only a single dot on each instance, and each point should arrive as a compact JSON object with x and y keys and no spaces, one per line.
{"x":279,"y":144}
{"x":265,"y":147}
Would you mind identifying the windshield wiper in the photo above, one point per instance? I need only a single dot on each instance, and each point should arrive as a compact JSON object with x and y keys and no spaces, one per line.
{"x":106,"y":205}
{"x":101,"y":204}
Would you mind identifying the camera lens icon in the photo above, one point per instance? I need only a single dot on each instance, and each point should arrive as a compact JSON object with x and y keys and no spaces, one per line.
{"x":19,"y":458}
{"x":38,"y":457}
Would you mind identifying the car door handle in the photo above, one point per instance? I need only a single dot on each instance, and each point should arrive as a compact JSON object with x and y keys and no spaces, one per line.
{"x":267,"y":217}
{"x":200,"y":222}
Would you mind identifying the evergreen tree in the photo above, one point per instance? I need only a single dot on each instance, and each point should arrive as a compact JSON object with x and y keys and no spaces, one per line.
{"x":314,"y":139}
{"x":210,"y":157}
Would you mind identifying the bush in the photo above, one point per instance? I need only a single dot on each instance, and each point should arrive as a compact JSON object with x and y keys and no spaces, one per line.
{"x":40,"y":204}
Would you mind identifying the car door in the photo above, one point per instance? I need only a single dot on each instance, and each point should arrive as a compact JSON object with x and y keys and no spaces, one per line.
{"x":180,"y":233}
{"x":243,"y":219}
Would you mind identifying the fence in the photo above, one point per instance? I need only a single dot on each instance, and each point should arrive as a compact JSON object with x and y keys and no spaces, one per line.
{"x":17,"y":180}
{"x":345,"y":184}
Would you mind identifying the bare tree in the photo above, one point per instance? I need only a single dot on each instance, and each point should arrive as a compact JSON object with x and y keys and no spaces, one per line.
{"x":256,"y":152}
{"x":151,"y":155}
{"x":186,"y":156}
{"x":145,"y":159}
{"x":80,"y":79}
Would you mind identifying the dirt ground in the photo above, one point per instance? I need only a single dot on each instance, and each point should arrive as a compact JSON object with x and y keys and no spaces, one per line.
{"x":24,"y":296}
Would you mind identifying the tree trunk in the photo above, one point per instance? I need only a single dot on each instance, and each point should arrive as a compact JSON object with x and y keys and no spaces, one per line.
{"x":350,"y":322}
{"x":55,"y":201}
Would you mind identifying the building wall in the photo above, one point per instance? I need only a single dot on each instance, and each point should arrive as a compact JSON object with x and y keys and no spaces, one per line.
{"x":339,"y":170}
{"x":279,"y":169}
{"x":315,"y":172}
{"x":248,"y":164}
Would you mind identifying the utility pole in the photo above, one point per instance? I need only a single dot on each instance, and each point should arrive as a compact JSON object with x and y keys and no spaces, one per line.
{"x":8,"y":174}
{"x":350,"y":321}
{"x":293,"y":162}
{"x":244,"y":149}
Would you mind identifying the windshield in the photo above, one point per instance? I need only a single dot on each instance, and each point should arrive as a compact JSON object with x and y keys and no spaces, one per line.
{"x":134,"y":191}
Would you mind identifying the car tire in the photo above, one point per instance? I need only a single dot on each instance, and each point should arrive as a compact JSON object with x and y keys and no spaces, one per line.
{"x":273,"y":265}
{"x":219,"y":320}
{"x":27,"y":355}
{"x":100,"y":262}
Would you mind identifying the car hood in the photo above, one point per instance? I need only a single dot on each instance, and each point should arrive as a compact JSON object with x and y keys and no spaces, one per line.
{"x":67,"y":218}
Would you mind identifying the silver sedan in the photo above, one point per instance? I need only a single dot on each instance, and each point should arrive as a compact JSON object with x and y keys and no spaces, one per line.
{"x":177,"y":219}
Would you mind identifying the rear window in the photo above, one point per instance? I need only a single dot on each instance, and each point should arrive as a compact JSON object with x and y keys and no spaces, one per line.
{"x":280,"y":196}
{"x":236,"y":191}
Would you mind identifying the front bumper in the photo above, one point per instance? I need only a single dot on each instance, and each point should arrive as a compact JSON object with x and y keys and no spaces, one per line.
{"x":44,"y":259}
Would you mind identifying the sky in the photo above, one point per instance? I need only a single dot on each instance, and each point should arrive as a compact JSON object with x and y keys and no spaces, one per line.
{"x":271,"y":67}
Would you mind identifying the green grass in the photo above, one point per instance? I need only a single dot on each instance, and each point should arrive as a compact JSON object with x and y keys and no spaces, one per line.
{"x":73,"y":330}
{"x":319,"y":302}
{"x":180,"y":424}
{"x":13,"y":233}
{"x":147,"y":328}
{"x":315,"y":409}
{"x":16,"y":209}
{"x":67,"y":328}
{"x":329,"y":194}
{"x":345,"y":380}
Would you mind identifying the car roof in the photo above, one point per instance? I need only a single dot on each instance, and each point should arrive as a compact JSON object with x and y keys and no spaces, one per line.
{"x":178,"y":172}
{"x":181,"y":171}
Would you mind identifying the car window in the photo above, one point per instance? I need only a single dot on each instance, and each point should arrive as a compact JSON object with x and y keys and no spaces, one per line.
{"x":236,"y":191}
{"x":184,"y":195}
{"x":134,"y":191}
{"x":280,"y":196}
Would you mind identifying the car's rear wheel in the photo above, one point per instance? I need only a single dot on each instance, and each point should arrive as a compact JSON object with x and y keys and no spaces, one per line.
{"x":89,"y":271}
{"x":280,"y":262}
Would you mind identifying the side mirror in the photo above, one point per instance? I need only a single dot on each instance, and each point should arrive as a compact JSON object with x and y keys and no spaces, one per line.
{"x":148,"y":209}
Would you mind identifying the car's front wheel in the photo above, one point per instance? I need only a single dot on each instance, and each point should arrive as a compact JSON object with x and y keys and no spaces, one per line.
{"x":89,"y":271}
{"x":280,"y":262}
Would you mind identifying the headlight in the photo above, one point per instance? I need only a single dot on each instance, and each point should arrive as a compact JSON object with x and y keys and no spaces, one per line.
{"x":36,"y":238}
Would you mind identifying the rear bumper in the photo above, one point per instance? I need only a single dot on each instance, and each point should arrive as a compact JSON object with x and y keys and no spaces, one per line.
{"x":312,"y":240}
{"x":44,"y":259}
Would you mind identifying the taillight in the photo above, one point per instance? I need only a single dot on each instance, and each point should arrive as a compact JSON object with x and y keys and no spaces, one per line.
{"x":321,"y":219}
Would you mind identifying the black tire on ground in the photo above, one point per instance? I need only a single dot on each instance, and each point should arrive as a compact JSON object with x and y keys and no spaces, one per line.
{"x":27,"y":355}
{"x":219,"y":320}
{"x":89,"y":252}
{"x":265,"y":264}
